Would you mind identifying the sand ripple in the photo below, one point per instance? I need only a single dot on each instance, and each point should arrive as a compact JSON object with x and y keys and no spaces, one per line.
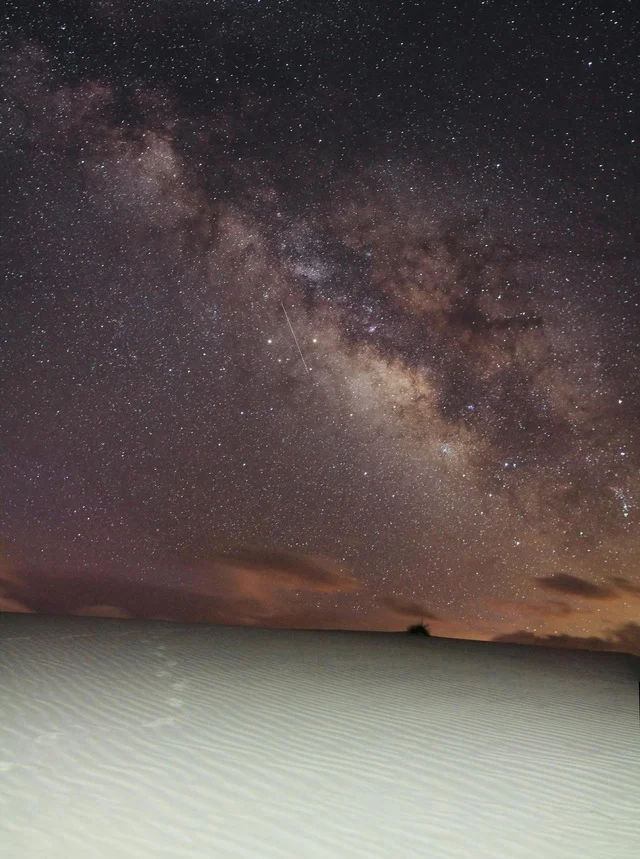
{"x":125,"y":739}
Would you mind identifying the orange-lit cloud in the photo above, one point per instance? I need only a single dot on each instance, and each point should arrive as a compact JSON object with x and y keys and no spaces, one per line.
{"x":258,"y":586}
{"x":290,"y":569}
{"x":7,"y":603}
{"x":564,"y":583}
{"x":536,"y":609}
{"x":245,"y":586}
{"x":267,"y":580}
{"x":408,"y":608}
{"x":621,"y":634}
{"x":102,"y":611}
{"x":625,"y":586}
{"x":625,"y":639}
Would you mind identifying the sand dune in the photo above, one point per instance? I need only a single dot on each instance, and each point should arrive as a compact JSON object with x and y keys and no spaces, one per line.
{"x":128,"y":739}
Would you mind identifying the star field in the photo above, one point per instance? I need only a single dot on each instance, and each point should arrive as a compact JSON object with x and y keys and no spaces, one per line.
{"x":322,"y":314}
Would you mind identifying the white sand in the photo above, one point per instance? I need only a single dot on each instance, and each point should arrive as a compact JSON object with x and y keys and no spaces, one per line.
{"x":127,"y":739}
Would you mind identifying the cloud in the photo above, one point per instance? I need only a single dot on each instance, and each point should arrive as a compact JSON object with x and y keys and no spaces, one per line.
{"x":9,"y":583}
{"x":628,"y":637}
{"x":293,"y":570}
{"x":625,"y":639}
{"x":408,"y":608}
{"x":270,"y":580}
{"x":102,"y":611}
{"x":523,"y":636}
{"x":7,"y":603}
{"x":536,"y":609}
{"x":315,"y":619}
{"x":243,"y":585}
{"x":7,"y":568}
{"x":76,"y":592}
{"x":625,"y":586}
{"x":564,"y":583}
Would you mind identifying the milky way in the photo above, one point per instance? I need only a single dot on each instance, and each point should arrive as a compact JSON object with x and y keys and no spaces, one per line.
{"x":445,"y":209}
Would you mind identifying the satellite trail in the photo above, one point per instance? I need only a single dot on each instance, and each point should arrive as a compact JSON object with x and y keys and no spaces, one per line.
{"x":294,"y":336}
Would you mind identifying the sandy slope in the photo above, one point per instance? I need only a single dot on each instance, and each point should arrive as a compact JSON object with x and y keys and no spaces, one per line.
{"x":126,"y":739}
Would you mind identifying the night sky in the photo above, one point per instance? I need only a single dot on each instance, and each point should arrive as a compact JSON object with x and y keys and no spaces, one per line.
{"x":322,"y":314}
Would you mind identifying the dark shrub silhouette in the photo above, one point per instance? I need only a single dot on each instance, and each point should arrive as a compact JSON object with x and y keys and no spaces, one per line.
{"x":418,"y":629}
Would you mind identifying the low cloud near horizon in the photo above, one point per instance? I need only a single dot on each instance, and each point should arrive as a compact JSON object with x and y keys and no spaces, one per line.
{"x":243,"y":585}
{"x":408,"y":609}
{"x":563,"y":583}
{"x":624,"y":639}
{"x":256,"y":586}
{"x":621,"y":636}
